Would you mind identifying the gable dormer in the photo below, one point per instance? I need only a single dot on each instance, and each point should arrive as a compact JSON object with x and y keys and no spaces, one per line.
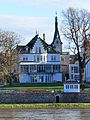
{"x":37,"y":45}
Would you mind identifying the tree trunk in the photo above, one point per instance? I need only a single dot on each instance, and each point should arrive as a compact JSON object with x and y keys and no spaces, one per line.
{"x":10,"y":80}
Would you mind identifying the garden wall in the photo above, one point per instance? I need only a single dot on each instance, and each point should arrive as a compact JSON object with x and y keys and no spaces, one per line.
{"x":20,"y":97}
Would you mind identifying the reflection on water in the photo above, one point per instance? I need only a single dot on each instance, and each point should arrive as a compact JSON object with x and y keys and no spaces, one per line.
{"x":45,"y":114}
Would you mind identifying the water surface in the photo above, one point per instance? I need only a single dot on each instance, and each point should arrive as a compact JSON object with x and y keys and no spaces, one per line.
{"x":45,"y":114}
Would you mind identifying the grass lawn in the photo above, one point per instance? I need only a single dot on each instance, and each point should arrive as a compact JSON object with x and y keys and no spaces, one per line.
{"x":45,"y":106}
{"x":39,"y":86}
{"x":27,"y":86}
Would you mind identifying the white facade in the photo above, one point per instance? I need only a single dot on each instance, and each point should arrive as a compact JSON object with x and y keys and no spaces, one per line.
{"x":71,"y":87}
{"x":41,"y":65}
{"x":74,"y":72}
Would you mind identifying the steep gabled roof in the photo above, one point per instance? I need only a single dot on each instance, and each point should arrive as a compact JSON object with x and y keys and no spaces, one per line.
{"x":33,"y":41}
{"x":45,"y":45}
{"x":56,"y":34}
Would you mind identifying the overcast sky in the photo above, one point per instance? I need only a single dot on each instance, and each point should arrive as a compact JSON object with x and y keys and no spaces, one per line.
{"x":25,"y":17}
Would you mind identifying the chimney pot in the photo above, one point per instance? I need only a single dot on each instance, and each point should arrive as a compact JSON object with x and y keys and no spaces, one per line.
{"x":44,"y":36}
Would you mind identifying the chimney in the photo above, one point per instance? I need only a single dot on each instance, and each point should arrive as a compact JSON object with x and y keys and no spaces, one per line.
{"x":44,"y":36}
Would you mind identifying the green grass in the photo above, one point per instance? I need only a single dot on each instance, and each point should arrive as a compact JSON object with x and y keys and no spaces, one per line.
{"x":39,"y":86}
{"x":35,"y":84}
{"x":34,"y":88}
{"x":45,"y":106}
{"x":28,"y":86}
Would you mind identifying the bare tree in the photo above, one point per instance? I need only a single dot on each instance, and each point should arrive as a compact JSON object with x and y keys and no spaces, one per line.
{"x":77,"y":31}
{"x":10,"y":56}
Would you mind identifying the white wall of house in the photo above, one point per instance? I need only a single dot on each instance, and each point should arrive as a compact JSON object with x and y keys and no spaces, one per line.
{"x":38,"y":45}
{"x":44,"y":57}
{"x":40,"y":78}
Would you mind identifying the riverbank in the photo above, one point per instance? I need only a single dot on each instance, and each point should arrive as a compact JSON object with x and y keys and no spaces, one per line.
{"x":45,"y":106}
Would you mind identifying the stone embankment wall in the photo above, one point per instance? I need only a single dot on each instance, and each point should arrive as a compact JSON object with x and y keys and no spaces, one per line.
{"x":15,"y":97}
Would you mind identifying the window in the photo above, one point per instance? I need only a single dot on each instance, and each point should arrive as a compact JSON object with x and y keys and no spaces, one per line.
{"x":42,"y":79}
{"x":34,"y":58}
{"x":72,"y":69}
{"x":72,"y":76}
{"x":67,"y":86}
{"x":37,"y":58}
{"x":75,"y":69}
{"x":36,"y":50}
{"x":76,"y":77}
{"x":44,"y":58}
{"x":51,"y":58}
{"x":46,"y":79}
{"x":25,"y":69}
{"x":26,"y":58}
{"x":76,"y":86}
{"x":55,"y":58}
{"x":23,"y":58}
{"x":39,"y":49}
{"x":71,"y":86}
{"x":41,"y":58}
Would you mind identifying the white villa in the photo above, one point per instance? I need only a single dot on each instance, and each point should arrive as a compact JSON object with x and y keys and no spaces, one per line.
{"x":40,"y":62}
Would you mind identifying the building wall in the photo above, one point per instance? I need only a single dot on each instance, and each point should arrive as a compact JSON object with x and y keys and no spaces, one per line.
{"x":58,"y":45}
{"x":33,"y":57}
{"x":42,"y":60}
{"x":88,"y":72}
{"x":37,"y":78}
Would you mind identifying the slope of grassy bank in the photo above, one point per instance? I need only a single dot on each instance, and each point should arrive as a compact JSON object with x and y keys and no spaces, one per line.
{"x":45,"y":106}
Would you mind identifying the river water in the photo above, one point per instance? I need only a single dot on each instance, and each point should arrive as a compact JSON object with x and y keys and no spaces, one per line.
{"x":45,"y":114}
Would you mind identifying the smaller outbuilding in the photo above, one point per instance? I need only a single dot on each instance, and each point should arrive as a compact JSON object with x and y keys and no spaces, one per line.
{"x":71,"y":87}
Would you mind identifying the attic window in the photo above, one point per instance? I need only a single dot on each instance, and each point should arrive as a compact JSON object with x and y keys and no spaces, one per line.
{"x":39,"y":49}
{"x":36,"y":50}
